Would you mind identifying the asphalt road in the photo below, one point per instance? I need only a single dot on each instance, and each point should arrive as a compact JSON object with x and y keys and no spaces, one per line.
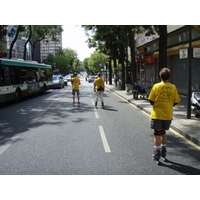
{"x":48,"y":135}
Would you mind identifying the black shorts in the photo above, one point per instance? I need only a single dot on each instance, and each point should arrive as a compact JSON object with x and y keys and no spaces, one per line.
{"x":160,"y":124}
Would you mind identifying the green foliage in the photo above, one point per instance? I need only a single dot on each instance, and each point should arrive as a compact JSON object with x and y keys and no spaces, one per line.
{"x":92,"y":64}
{"x":65,"y":60}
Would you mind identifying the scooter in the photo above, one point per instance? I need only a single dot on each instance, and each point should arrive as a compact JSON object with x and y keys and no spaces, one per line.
{"x":195,"y":103}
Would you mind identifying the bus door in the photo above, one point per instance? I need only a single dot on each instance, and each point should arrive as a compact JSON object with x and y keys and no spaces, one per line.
{"x":32,"y":82}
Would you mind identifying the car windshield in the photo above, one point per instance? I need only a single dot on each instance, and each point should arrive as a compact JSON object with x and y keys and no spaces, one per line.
{"x":197,"y":96}
{"x":55,"y":78}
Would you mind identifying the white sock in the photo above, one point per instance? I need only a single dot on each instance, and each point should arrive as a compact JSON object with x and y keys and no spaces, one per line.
{"x":156,"y":147}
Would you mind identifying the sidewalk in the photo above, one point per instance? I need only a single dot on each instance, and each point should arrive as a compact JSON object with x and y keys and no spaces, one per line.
{"x":189,"y":128}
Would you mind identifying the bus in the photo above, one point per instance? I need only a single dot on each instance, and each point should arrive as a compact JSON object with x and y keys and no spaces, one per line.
{"x":19,"y":78}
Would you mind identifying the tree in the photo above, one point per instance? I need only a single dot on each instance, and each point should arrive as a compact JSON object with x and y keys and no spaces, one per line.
{"x":161,"y":30}
{"x":19,"y":29}
{"x":28,"y":34}
{"x":61,"y":64}
{"x":131,"y":34}
{"x":162,"y":46}
{"x":105,"y":39}
{"x":97,"y":61}
{"x":65,"y":60}
{"x":39,"y":32}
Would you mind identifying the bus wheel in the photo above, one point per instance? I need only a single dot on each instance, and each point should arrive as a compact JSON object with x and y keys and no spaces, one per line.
{"x":18,"y":95}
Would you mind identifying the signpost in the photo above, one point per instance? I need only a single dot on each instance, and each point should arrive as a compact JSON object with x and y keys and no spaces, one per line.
{"x":189,"y":74}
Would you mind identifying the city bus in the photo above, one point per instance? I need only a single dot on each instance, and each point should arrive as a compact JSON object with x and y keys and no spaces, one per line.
{"x":19,"y":78}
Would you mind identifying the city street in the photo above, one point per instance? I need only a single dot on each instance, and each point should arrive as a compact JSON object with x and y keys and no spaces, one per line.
{"x":48,"y":135}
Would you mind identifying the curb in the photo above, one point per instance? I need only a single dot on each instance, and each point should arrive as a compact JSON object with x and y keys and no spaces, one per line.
{"x":192,"y":139}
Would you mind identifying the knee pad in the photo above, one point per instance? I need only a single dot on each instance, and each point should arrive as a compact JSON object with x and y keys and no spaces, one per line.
{"x":163,"y":132}
{"x":156,"y":132}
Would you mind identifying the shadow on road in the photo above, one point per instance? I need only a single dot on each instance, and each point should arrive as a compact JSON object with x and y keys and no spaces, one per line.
{"x":184,"y":169}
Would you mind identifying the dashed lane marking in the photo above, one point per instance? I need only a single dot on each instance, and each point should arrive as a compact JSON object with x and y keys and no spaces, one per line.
{"x":104,"y":140}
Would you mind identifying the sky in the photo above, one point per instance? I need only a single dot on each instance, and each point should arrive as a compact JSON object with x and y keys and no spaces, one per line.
{"x":74,"y":37}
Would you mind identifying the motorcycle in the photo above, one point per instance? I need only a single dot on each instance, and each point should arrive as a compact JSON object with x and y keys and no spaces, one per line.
{"x":195,"y":103}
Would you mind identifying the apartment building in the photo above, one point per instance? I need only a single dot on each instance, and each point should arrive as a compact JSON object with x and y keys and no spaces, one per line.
{"x":50,"y":47}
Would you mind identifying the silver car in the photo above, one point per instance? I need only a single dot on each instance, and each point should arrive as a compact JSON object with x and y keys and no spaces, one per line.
{"x":58,"y":81}
{"x":92,"y":79}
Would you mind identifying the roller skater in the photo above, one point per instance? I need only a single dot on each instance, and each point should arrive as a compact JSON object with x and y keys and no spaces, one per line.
{"x":156,"y":156}
{"x":163,"y":97}
{"x":163,"y":153}
{"x":99,"y":89}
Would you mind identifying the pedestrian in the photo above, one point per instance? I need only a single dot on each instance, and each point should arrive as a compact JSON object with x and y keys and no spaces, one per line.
{"x":136,"y":90}
{"x":163,"y":97}
{"x":99,"y":86}
{"x":115,"y":80}
{"x":75,"y":87}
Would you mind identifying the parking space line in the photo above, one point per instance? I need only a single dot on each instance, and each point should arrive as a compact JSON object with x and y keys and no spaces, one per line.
{"x":104,"y":140}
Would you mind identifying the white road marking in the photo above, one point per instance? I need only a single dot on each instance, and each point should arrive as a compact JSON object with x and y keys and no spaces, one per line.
{"x":95,"y":110}
{"x":104,"y":140}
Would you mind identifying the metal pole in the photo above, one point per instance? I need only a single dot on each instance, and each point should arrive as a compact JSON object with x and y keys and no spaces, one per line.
{"x":189,"y":73}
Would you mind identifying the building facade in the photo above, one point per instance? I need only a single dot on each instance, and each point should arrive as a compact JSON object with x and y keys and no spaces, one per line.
{"x":50,"y":47}
{"x":148,"y":60}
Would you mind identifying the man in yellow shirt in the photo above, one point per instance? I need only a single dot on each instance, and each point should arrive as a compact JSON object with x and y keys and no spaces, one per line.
{"x":99,"y":89}
{"x":75,"y":87}
{"x":163,"y":97}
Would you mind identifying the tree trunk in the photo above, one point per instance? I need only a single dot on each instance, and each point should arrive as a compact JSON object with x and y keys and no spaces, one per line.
{"x":110,"y":73}
{"x":29,"y":38}
{"x":122,"y":56}
{"x":133,"y":63}
{"x":13,"y":42}
{"x":162,"y":47}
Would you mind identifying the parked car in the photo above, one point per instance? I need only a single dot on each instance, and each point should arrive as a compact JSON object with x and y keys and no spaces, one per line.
{"x":58,"y":81}
{"x":92,"y":79}
{"x":69,"y":78}
{"x":65,"y":80}
{"x":195,"y":103}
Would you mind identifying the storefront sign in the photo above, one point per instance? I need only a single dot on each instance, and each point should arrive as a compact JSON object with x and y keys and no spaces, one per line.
{"x":183,"y":53}
{"x":149,"y":60}
{"x":139,"y":60}
{"x":196,"y":52}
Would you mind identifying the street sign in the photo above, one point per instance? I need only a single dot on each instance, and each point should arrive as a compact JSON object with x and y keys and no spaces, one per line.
{"x":183,"y":53}
{"x":196,"y":52}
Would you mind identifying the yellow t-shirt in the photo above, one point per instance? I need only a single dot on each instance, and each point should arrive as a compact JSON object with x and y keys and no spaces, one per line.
{"x":75,"y":83}
{"x":99,"y":82}
{"x":164,"y":95}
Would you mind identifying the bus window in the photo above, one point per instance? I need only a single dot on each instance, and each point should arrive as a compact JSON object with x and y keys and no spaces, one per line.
{"x":48,"y":75}
{"x":14,"y":75}
{"x":7,"y":80}
{"x":1,"y":74}
{"x":30,"y":76}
